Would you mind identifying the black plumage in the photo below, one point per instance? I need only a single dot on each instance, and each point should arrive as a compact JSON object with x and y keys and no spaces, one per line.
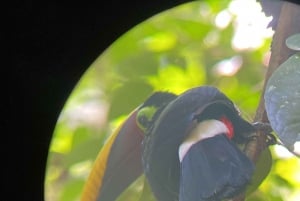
{"x":170,"y":179}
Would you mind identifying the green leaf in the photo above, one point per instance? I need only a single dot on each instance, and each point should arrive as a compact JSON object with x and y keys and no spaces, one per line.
{"x":133,"y":192}
{"x":91,"y":148}
{"x":147,"y":194}
{"x":176,"y":79}
{"x":127,"y":97}
{"x":161,"y":41}
{"x":262,"y":169}
{"x":293,"y":42}
{"x":282,"y":100}
{"x":72,"y":190}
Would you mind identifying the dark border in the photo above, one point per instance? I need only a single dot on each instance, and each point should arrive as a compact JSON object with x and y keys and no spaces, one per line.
{"x":53,"y":44}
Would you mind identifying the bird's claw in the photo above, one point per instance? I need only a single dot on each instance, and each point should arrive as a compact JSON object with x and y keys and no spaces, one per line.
{"x":262,"y":126}
{"x":266,"y":129}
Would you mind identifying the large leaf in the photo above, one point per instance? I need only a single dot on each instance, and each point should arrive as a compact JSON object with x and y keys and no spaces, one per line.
{"x":282,"y":100}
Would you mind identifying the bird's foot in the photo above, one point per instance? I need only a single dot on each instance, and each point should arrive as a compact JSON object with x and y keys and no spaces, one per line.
{"x":266,"y":129}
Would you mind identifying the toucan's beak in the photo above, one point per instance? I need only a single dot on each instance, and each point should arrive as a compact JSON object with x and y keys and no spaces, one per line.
{"x":118,"y":164}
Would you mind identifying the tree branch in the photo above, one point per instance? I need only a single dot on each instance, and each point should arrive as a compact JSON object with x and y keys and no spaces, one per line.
{"x":288,"y":24}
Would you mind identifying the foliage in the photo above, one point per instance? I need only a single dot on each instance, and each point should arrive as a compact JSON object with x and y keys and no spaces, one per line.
{"x":191,"y":45}
{"x":282,"y":98}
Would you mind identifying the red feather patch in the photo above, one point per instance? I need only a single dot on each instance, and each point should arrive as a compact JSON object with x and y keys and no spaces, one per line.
{"x":229,"y":126}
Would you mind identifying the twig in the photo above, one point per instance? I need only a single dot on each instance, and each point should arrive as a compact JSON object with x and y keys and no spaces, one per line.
{"x":288,"y":24}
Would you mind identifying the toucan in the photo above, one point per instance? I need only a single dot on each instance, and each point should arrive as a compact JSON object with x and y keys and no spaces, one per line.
{"x":189,"y":147}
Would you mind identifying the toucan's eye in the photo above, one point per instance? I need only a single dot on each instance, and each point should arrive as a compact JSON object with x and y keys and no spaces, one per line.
{"x":145,"y":116}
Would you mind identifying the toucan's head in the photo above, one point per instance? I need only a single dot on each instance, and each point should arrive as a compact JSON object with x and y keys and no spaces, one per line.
{"x":186,"y":145}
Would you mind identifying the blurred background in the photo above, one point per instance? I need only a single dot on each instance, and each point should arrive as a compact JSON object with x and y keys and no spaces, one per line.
{"x":221,"y":43}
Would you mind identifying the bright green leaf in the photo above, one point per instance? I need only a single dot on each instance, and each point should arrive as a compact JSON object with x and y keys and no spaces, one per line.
{"x":161,"y":41}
